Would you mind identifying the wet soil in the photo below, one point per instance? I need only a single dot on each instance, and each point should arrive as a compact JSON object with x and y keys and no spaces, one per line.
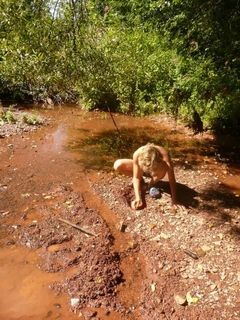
{"x":137,"y":263}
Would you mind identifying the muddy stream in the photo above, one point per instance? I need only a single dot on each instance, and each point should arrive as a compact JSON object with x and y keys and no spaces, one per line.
{"x":50,"y":173}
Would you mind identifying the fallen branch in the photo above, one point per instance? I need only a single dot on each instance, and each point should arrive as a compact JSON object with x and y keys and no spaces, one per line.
{"x":77,"y":227}
{"x":114,"y":122}
{"x":191,"y":254}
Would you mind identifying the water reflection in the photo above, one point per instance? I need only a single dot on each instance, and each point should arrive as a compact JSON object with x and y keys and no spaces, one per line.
{"x":233,"y":183}
{"x":99,"y":151}
{"x":55,"y":140}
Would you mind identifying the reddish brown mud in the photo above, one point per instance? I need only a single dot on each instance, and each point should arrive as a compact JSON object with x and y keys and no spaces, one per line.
{"x":25,"y":290}
{"x":36,"y":172}
{"x":64,"y":171}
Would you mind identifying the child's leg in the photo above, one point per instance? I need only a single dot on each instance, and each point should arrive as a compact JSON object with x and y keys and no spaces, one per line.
{"x":124,"y":166}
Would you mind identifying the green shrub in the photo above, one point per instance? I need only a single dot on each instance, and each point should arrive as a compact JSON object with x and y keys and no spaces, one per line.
{"x":137,"y":57}
{"x":31,"y":119}
{"x":8,"y":116}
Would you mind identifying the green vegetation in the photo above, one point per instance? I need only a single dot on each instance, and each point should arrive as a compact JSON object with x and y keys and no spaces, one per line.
{"x":133,"y":56}
{"x":31,"y":119}
{"x":10,"y":116}
{"x":7,"y":116}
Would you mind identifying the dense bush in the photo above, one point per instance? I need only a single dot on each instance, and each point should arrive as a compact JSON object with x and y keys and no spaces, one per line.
{"x":131,"y":56}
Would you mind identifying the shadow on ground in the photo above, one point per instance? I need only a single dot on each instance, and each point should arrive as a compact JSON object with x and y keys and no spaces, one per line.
{"x":216,"y":203}
{"x":222,"y":206}
{"x":186,"y":196}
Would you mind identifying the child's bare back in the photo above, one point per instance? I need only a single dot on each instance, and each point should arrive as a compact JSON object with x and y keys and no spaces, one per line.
{"x":152,"y":161}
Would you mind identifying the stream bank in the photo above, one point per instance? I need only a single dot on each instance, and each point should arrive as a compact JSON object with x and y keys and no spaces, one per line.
{"x":136,"y":266}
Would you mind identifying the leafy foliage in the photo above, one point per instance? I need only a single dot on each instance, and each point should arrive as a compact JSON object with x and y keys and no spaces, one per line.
{"x":136,"y":56}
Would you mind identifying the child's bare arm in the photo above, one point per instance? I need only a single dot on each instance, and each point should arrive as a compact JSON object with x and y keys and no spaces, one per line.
{"x":171,"y":175}
{"x":137,"y":176}
{"x":172,"y":183}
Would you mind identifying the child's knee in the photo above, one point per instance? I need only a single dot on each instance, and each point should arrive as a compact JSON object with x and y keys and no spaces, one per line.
{"x":117,"y":165}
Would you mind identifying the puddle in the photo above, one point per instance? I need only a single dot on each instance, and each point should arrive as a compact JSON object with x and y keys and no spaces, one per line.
{"x":25,"y":292}
{"x":233,"y":183}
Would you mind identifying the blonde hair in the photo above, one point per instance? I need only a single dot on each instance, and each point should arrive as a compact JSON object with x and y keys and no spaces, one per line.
{"x":149,"y":157}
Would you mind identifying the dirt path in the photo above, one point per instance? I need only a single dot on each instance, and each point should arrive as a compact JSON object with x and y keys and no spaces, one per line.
{"x":50,"y":270}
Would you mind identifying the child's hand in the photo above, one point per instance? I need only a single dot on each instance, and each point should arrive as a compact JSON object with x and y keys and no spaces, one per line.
{"x":136,"y":204}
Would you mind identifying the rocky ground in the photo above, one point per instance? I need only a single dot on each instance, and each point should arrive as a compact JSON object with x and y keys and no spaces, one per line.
{"x":191,"y":254}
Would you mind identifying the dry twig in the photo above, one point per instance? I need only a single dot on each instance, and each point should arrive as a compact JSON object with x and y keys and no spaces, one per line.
{"x":77,"y":227}
{"x":191,"y":254}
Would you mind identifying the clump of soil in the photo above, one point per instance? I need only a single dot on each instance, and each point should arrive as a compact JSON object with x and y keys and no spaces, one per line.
{"x":96,"y":267}
{"x":95,"y":283}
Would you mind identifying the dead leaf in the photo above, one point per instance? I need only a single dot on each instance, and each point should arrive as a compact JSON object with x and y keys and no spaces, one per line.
{"x":191,"y":299}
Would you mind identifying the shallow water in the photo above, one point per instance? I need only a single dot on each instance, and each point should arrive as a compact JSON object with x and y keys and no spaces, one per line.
{"x":25,"y":290}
